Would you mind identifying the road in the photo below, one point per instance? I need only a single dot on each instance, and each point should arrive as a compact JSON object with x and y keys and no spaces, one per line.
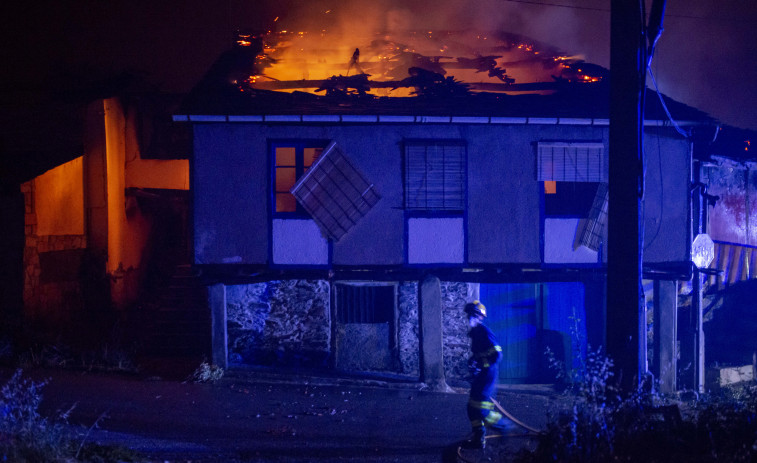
{"x":273,"y":417}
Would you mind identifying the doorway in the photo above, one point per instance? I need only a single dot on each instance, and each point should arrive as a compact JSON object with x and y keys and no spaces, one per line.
{"x":528,"y":319}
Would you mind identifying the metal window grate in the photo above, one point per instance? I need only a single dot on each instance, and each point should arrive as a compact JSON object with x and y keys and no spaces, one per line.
{"x":594,"y":225}
{"x":434,"y":176}
{"x":364,"y":303}
{"x":570,"y":162}
{"x":334,"y":193}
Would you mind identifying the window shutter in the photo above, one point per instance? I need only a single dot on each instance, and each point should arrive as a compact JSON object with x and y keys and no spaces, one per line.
{"x":434,"y":176}
{"x":364,"y":303}
{"x":570,"y":162}
{"x":590,"y":234}
{"x":334,"y":193}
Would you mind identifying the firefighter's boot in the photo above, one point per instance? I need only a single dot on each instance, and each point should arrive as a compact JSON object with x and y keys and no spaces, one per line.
{"x":477,"y":441}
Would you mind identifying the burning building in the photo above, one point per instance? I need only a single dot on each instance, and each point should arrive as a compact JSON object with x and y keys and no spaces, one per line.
{"x":350,"y":195}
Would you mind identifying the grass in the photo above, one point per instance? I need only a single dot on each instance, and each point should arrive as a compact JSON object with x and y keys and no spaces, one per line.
{"x":27,"y":436}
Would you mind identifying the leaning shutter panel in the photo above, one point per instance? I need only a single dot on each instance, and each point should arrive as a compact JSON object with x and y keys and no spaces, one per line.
{"x":594,"y":225}
{"x":334,"y":193}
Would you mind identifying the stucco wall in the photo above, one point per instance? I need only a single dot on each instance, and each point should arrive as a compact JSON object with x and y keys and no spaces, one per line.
{"x":231,"y":174}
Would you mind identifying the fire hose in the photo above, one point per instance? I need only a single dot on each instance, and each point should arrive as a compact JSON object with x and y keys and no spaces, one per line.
{"x":509,"y":415}
{"x":514,"y":419}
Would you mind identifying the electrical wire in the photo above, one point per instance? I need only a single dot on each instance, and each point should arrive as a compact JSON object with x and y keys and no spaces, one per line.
{"x":607,"y":10}
{"x":678,"y":128}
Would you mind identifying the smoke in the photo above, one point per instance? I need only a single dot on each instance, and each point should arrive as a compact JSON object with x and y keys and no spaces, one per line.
{"x":706,"y":56}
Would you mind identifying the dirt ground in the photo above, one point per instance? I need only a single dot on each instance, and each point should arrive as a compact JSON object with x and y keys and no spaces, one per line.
{"x":269,"y":416}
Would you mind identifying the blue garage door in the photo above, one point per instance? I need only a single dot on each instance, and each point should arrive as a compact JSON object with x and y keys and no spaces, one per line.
{"x":528,"y":318}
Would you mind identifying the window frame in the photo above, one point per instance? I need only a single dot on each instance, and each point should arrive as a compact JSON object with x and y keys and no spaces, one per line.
{"x":432,"y":211}
{"x":299,"y":145}
{"x":597,"y":177}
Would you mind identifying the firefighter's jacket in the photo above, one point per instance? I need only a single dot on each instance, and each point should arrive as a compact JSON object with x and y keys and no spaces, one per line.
{"x":486,"y":353}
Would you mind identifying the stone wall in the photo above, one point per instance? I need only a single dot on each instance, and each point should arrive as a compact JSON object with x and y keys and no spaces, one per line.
{"x":53,"y":298}
{"x":279,"y":323}
{"x":455,"y":331}
{"x":287,"y":323}
{"x":407,"y":329}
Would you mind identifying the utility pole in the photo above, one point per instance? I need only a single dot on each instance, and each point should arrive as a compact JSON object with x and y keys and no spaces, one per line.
{"x":626,"y":325}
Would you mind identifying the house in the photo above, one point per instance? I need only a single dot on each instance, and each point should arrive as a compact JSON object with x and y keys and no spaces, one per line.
{"x":728,"y":284}
{"x":106,"y":225}
{"x":346,"y":232}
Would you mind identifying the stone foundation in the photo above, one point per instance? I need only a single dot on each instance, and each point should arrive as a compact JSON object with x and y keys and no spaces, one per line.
{"x":288,"y":323}
{"x":279,"y":323}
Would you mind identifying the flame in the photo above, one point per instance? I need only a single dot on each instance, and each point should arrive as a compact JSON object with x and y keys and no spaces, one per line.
{"x":384,"y":57}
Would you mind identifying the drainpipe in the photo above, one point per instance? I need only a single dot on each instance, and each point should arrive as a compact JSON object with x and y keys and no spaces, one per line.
{"x":747,"y":209}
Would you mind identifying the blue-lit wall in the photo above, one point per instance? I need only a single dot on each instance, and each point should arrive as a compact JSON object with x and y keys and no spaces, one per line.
{"x":231,"y":187}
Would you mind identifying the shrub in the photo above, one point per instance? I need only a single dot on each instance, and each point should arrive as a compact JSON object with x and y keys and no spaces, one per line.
{"x":207,"y":373}
{"x":597,"y":425}
{"x":25,"y":435}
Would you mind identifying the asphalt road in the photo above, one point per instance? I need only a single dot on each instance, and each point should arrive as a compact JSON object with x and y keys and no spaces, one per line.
{"x":269,"y":416}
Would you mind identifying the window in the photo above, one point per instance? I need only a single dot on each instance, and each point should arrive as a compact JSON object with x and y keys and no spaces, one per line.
{"x":435,"y":175}
{"x":365,"y":303}
{"x":575,"y":187}
{"x":291,"y":161}
{"x":335,"y":193}
{"x":571,"y":172}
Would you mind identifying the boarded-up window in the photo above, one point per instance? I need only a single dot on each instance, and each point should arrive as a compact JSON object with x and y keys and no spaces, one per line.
{"x":335,"y":193}
{"x":365,"y":304}
{"x":435,"y":175}
{"x":570,"y":162}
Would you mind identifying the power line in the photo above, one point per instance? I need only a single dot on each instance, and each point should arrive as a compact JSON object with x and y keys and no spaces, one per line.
{"x":607,"y":10}
{"x":559,"y":5}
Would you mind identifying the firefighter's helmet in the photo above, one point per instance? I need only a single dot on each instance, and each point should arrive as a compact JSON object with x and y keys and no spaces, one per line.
{"x":475,"y":308}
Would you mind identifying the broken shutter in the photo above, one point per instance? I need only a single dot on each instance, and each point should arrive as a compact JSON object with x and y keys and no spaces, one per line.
{"x":590,"y":231}
{"x":334,"y":193}
{"x":570,"y":162}
{"x":434,"y":176}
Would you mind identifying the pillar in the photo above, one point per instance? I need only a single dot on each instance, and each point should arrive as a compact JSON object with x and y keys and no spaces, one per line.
{"x":665,"y":320}
{"x":432,"y":350}
{"x":219,"y":336}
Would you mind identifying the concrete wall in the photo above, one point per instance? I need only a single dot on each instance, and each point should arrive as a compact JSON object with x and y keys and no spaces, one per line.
{"x":231,"y":175}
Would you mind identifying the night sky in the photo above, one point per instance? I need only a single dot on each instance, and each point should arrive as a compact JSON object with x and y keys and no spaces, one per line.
{"x":707,"y":56}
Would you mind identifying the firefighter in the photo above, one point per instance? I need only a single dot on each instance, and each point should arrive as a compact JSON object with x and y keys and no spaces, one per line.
{"x":484,"y":366}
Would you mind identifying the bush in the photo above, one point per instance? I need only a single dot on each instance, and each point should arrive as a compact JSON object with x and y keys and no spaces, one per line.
{"x":25,"y":435}
{"x":599,"y":426}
